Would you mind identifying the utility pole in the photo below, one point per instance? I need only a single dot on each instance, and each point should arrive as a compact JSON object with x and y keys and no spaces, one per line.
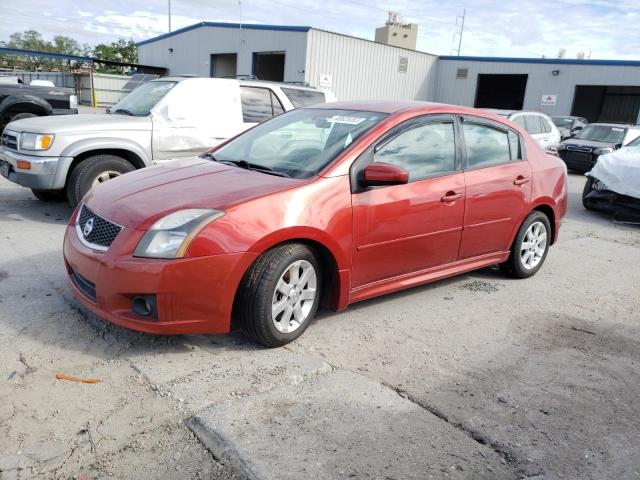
{"x":169,"y":2}
{"x":459,"y":34}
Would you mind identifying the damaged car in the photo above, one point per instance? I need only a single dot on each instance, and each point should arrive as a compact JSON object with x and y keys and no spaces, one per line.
{"x":613,"y":185}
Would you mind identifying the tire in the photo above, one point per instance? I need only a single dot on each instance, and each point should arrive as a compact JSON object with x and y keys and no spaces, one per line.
{"x":516,"y":265}
{"x":588,"y":186}
{"x":92,"y":171}
{"x":263,"y":306}
{"x":20,"y":116}
{"x":49,"y":195}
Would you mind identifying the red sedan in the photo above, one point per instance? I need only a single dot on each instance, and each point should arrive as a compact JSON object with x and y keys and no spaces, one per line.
{"x":330,"y":204}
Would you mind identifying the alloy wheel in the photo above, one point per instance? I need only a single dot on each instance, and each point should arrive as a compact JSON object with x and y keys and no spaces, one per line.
{"x":105,"y":177}
{"x":534,"y":245}
{"x":294,"y":296}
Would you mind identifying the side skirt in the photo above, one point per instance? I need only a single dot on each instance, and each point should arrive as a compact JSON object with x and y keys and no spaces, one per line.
{"x":425,"y":276}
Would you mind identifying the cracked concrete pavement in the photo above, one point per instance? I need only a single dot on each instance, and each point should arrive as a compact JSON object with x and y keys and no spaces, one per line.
{"x":478,"y":376}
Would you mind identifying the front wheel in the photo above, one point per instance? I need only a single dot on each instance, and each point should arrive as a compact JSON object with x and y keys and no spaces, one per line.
{"x":530,"y":247}
{"x":279,"y":295}
{"x":92,"y":172}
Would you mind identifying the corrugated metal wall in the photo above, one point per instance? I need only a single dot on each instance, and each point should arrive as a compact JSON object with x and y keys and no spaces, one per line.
{"x":192,"y":50}
{"x":540,"y":82}
{"x":361,"y":69}
{"x":109,"y":89}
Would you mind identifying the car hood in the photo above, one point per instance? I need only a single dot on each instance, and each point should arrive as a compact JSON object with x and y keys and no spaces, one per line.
{"x":576,"y":142}
{"x":138,"y":199}
{"x":80,"y":123}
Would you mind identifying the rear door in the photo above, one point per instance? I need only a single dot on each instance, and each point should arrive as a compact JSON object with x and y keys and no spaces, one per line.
{"x":498,"y":186}
{"x":402,"y":229}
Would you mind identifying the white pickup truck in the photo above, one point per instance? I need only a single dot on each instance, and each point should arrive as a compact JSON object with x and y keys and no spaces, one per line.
{"x":161,"y":120}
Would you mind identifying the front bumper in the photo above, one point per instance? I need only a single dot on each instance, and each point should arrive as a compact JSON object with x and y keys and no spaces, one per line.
{"x":612,"y":202}
{"x":42,"y":174}
{"x":578,"y":161}
{"x":193,"y":295}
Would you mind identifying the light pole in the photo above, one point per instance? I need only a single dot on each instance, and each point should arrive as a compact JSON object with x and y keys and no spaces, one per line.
{"x":169,"y":3}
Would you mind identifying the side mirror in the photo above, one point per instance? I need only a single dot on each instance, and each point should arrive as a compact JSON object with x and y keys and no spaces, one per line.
{"x":377,"y":174}
{"x":577,"y":128}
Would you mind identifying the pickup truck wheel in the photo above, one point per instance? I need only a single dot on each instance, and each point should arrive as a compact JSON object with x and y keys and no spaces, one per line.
{"x":94,"y":171}
{"x":20,"y":116}
{"x":49,"y":195}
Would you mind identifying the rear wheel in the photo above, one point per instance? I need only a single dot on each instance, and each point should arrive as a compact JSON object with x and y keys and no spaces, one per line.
{"x":280,"y":295}
{"x":49,"y":195}
{"x":530,"y":247}
{"x":588,"y":186}
{"x":92,"y":172}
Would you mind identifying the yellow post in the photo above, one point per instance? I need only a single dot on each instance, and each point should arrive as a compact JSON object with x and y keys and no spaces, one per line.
{"x":94,"y":103}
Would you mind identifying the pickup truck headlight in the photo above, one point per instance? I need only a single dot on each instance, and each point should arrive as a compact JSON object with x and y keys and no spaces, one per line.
{"x":171,"y":236}
{"x":603,"y":150}
{"x":36,"y":141}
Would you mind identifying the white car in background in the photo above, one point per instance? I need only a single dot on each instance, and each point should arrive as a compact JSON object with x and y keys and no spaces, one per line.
{"x":159,"y":121}
{"x":537,"y":124}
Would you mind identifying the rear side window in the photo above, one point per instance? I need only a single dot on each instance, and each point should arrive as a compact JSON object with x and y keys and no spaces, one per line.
{"x":546,"y":128}
{"x":426,"y":150}
{"x":520,"y":121}
{"x":532,"y":124}
{"x":258,"y":104}
{"x":486,"y":146}
{"x":302,"y":98}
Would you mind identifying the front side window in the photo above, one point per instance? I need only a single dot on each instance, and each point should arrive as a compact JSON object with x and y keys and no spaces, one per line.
{"x":486,"y":146}
{"x":140,"y":101}
{"x":258,"y":104}
{"x":303,"y":98}
{"x":299,"y":143}
{"x":426,"y":150}
{"x":532,"y":124}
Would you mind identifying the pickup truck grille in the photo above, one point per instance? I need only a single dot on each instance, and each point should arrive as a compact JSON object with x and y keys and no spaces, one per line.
{"x":9,"y":140}
{"x":95,"y":231}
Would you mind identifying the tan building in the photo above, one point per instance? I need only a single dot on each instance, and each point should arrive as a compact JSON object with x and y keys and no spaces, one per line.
{"x":398,"y":34}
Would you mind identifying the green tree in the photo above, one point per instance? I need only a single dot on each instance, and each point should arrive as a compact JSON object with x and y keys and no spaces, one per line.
{"x":119,"y":51}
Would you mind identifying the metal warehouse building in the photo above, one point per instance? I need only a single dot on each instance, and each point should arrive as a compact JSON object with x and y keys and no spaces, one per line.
{"x":355,"y":68}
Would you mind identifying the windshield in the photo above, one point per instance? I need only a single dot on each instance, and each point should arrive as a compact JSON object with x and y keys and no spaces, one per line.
{"x":562,"y":121}
{"x":299,"y":143}
{"x":635,"y":143}
{"x":602,"y":133}
{"x":140,"y":101}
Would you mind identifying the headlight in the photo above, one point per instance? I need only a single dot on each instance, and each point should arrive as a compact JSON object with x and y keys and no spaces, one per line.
{"x":73,"y":101}
{"x":170,"y":236}
{"x":603,"y":150}
{"x":36,"y":141}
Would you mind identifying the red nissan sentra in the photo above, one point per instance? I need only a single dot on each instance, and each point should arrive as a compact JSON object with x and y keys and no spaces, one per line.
{"x":330,"y":204}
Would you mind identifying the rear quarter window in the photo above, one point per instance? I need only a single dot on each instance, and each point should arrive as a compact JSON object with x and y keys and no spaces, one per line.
{"x":303,"y":98}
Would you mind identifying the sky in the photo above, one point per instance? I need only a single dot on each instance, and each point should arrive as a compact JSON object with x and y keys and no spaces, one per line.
{"x":605,"y":29}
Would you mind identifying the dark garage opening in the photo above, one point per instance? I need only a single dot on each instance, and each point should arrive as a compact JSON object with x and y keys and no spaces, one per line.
{"x":607,"y":103}
{"x":269,"y":66}
{"x":502,"y":91}
{"x":224,"y":64}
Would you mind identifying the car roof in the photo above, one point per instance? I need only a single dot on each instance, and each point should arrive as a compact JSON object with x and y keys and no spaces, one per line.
{"x":257,"y":83}
{"x":616,"y":125}
{"x":380,"y":106}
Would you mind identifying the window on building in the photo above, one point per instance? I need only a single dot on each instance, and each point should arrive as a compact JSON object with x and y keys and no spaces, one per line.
{"x":424,"y":151}
{"x":486,"y":146}
{"x":403,"y":64}
{"x":462,"y":73}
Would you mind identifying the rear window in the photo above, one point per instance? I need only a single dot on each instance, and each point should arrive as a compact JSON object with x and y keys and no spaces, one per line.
{"x":258,"y":104}
{"x":303,"y":98}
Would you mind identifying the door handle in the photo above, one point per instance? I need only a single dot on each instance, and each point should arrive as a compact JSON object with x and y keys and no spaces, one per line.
{"x":520,"y":180}
{"x":451,"y":197}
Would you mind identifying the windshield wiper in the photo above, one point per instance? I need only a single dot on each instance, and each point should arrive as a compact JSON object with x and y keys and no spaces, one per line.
{"x":248,"y":166}
{"x":125,"y":111}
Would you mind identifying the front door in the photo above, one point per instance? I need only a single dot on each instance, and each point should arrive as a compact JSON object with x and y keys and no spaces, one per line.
{"x":498,"y":186}
{"x":402,"y":229}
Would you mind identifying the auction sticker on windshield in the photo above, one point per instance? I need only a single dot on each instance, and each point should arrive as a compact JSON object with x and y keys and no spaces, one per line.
{"x":346,"y":120}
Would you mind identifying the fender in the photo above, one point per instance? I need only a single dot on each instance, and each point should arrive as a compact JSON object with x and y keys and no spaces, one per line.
{"x":94,"y":144}
{"x":33,"y":101}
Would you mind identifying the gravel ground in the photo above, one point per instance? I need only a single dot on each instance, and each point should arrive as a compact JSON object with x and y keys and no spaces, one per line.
{"x":540,"y":377}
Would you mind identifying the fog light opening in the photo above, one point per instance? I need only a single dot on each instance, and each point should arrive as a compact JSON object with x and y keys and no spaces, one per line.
{"x":145,"y":306}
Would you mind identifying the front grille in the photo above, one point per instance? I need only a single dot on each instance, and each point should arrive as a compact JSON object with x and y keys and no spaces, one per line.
{"x":578,"y":148}
{"x":95,"y":231}
{"x":84,"y":285}
{"x":578,"y":157}
{"x":9,"y":140}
